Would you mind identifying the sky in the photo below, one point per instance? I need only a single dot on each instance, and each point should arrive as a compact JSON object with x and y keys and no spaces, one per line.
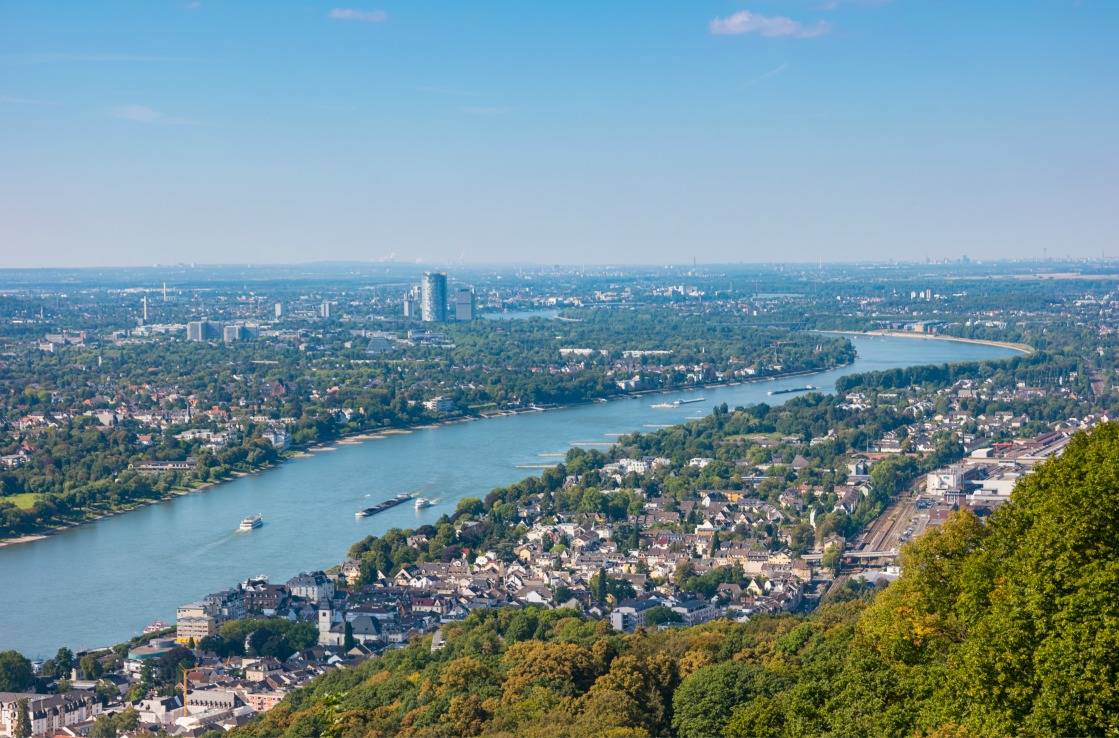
{"x":605,"y":131}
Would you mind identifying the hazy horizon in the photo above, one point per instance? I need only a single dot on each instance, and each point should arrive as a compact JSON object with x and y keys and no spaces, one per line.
{"x":628,"y":133}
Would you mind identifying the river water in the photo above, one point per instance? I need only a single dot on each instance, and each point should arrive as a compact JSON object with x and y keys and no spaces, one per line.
{"x":101,"y":583}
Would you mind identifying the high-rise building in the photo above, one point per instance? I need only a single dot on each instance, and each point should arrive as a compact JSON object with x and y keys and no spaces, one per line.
{"x":433,"y":297}
{"x":412,"y":304}
{"x":464,"y":303}
{"x":324,"y":309}
{"x":233,"y":333}
{"x":203,"y":330}
{"x":279,"y":310}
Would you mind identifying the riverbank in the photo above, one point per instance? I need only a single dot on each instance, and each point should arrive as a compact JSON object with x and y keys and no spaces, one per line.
{"x":131,"y":507}
{"x":358,"y":437}
{"x":309,"y":507}
{"x":1024,"y":348}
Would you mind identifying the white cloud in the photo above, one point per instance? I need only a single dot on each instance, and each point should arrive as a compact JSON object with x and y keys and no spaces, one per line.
{"x":770,"y":26}
{"x":144,"y":114}
{"x":362,"y":16}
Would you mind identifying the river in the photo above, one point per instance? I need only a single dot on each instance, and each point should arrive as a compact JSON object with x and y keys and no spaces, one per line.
{"x":101,"y":583}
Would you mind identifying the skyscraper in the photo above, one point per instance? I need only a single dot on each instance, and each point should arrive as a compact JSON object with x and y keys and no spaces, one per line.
{"x":279,"y":310}
{"x":464,"y":303}
{"x":433,"y":297}
{"x":412,"y":304}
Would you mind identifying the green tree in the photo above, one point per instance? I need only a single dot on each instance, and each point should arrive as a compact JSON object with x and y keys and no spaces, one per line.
{"x":831,"y":558}
{"x":15,"y":672}
{"x":703,"y":704}
{"x":90,"y":666}
{"x":23,"y":720}
{"x":661,"y":615}
{"x":111,"y":726}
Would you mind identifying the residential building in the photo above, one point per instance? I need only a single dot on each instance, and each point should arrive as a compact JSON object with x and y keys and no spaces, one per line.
{"x":278,"y":437}
{"x":194,"y":621}
{"x":49,"y":713}
{"x":314,"y":586}
{"x":439,"y":404}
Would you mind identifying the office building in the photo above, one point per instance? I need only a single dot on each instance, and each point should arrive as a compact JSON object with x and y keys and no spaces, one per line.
{"x":433,"y":297}
{"x":464,"y":305}
{"x":412,"y":304}
{"x":233,"y":333}
{"x":203,"y":330}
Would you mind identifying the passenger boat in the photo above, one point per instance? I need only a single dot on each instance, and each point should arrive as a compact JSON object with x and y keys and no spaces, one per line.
{"x":250,"y":523}
{"x":422,"y":502}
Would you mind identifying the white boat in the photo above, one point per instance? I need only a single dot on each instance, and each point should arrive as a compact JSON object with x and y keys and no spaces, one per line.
{"x":250,"y":523}
{"x":422,"y":502}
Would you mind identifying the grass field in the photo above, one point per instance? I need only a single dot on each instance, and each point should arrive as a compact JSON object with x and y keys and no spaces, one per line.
{"x":23,"y":501}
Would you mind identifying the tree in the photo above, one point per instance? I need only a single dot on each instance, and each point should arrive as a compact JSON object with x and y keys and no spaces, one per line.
{"x":63,"y":662}
{"x":60,"y":665}
{"x":703,"y":703}
{"x":15,"y":672}
{"x":111,"y":726}
{"x":106,"y":691}
{"x":90,"y":666}
{"x":832,"y":557}
{"x":348,"y":641}
{"x":147,"y":675}
{"x":661,"y":615}
{"x":469,"y":507}
{"x":600,"y":588}
{"x":23,"y":720}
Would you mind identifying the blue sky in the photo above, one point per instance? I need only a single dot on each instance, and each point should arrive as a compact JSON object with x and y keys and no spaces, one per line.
{"x":616,"y":131}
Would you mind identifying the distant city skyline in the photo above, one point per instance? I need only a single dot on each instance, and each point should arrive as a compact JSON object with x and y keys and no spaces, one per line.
{"x":203,"y":131}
